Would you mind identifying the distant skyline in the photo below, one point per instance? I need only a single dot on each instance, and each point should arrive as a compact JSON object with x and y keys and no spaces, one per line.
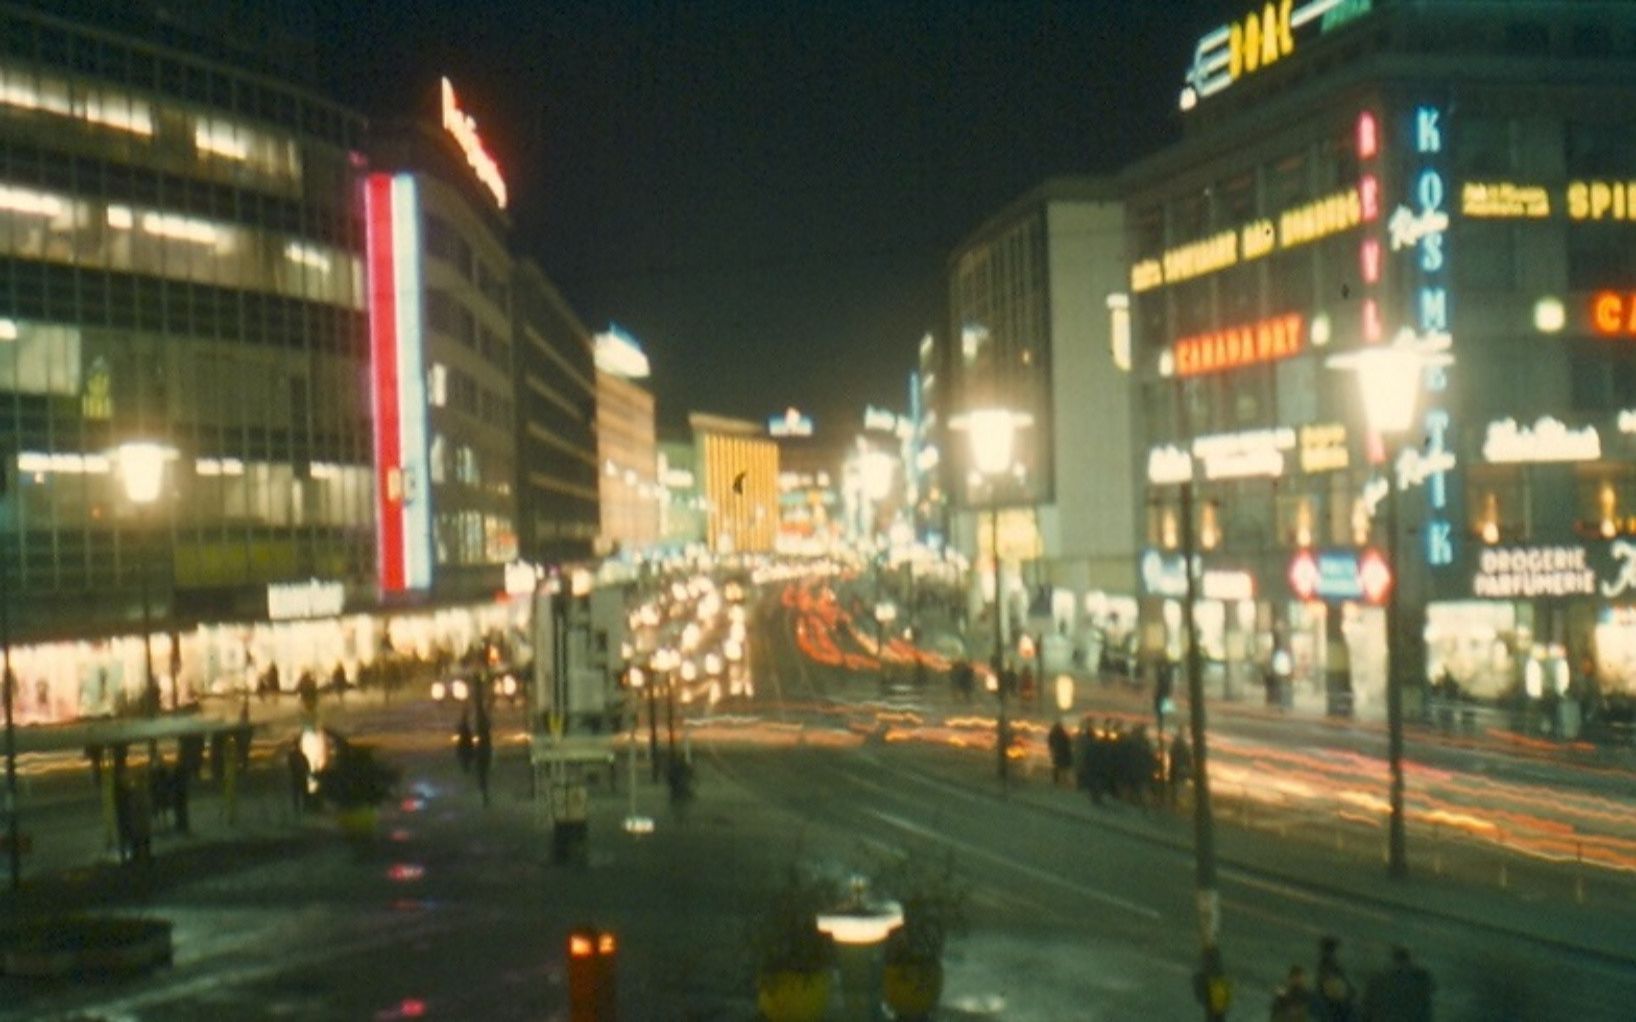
{"x":765,"y":195}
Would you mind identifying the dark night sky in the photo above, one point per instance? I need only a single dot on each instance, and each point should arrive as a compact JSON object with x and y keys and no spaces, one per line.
{"x":765,"y":193}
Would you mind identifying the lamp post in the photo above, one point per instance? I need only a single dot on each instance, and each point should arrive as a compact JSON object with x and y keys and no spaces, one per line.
{"x":9,"y":684}
{"x":993,"y":433}
{"x":1389,"y":377}
{"x":141,"y":466}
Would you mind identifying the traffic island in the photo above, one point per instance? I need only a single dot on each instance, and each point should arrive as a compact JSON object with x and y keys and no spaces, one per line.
{"x":67,"y":946}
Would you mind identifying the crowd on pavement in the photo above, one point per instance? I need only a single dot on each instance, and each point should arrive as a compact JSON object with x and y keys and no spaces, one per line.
{"x":1401,"y":992}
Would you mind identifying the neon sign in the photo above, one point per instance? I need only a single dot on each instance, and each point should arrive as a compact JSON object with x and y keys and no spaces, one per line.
{"x":459,"y":124}
{"x":1422,"y":230}
{"x":1547,"y":440}
{"x":1274,"y":338}
{"x":1260,"y":39}
{"x":1323,"y":448}
{"x":1340,"y":575}
{"x":1320,"y":218}
{"x":1602,"y":200}
{"x":1505,"y":572}
{"x":791,"y":423}
{"x":1169,"y":464}
{"x":398,"y":399}
{"x":1502,"y":199}
{"x":1256,"y":452}
{"x":1613,"y":314}
{"x":304,"y":599}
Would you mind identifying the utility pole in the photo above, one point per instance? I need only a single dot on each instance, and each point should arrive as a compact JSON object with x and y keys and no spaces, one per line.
{"x":1397,"y":854}
{"x":1212,"y":974}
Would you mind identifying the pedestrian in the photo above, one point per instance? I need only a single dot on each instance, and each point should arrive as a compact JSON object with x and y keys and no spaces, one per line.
{"x":484,"y":752}
{"x":338,"y":681}
{"x":1164,"y":686}
{"x":464,"y":744}
{"x":122,"y":812}
{"x":1083,"y":751}
{"x":1335,"y":996}
{"x":1293,"y":1001}
{"x":241,"y":738}
{"x":1181,"y":766}
{"x":1062,"y":753}
{"x":300,"y":775}
{"x":1402,"y":993}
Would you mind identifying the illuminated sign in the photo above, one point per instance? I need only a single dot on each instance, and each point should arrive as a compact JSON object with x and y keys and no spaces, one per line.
{"x":521,"y":578}
{"x":1320,"y":218}
{"x":1627,"y":421}
{"x":1308,"y":222}
{"x":1602,"y":200}
{"x":1546,"y":440}
{"x":617,"y":353}
{"x":1165,"y":575}
{"x":1270,"y":339}
{"x":398,"y":388}
{"x":791,"y":423}
{"x":879,"y":419}
{"x":311,"y":598}
{"x":1624,"y":557}
{"x":1339,"y":575}
{"x":1323,"y":448}
{"x":1423,"y":230}
{"x":463,"y":129}
{"x":1169,"y":464}
{"x":1507,"y":572}
{"x":1257,"y":452}
{"x":1261,"y":38}
{"x":1504,"y":199}
{"x":1613,"y":314}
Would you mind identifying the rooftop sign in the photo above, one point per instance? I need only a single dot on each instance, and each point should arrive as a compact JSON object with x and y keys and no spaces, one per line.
{"x":791,"y":423}
{"x":1265,"y":35}
{"x":460,"y":124}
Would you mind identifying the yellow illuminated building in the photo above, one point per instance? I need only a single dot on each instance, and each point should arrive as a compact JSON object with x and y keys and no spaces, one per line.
{"x":738,"y":466}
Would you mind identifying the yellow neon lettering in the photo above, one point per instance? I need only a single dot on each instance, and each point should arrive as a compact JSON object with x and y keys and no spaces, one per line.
{"x":1269,"y":34}
{"x":1252,"y":43}
{"x":1579,"y":206}
{"x":1235,"y":51}
{"x":1608,"y":312}
{"x":1286,"y":38}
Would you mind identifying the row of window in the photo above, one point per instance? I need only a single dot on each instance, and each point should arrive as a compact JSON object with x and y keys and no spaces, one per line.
{"x":443,"y":242}
{"x":54,"y":227}
{"x":449,"y":316}
{"x":474,"y":537}
{"x":102,"y":57}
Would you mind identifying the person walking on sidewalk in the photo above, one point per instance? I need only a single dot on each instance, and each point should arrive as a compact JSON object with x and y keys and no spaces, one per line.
{"x":300,"y":772}
{"x":1402,"y":993}
{"x":1062,"y":753}
{"x":1293,"y":1002}
{"x":1180,"y":772}
{"x":464,"y":746}
{"x":484,"y":752}
{"x":1336,"y":997}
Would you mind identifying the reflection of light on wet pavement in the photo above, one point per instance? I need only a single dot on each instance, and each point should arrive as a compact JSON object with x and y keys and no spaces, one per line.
{"x":409,"y":1007}
{"x":412,"y":804}
{"x":403,"y":872}
{"x":399,"y":834}
{"x":984,"y":1004}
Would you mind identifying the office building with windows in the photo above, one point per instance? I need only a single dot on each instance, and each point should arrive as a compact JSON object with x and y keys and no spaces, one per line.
{"x":627,"y":444}
{"x":1441,"y":177}
{"x":181,"y":267}
{"x":558,"y":515}
{"x":737,"y":464}
{"x":1031,"y":339}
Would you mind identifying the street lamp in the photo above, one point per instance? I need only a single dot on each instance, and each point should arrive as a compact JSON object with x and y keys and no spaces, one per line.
{"x":141,"y":467}
{"x":993,"y":434}
{"x":1389,"y":377}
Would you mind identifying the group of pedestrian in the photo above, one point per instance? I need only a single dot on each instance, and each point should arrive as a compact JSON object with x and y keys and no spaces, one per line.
{"x":1120,"y":762}
{"x":1402,"y":992}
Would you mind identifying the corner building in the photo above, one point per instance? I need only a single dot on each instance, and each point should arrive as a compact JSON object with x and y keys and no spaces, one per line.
{"x":1447,"y":174}
{"x":180,"y":263}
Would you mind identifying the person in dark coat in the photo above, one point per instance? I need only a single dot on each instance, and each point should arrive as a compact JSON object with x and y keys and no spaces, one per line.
{"x":1084,"y":750}
{"x":1180,"y":772}
{"x":1293,"y":1002}
{"x":1335,"y":997}
{"x":1403,"y":993}
{"x":464,"y":748}
{"x":300,"y":771}
{"x":484,"y":752}
{"x":1062,"y":753}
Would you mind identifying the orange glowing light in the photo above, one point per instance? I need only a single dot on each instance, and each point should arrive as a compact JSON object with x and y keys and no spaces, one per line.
{"x":580,"y":946}
{"x":1614,"y":314}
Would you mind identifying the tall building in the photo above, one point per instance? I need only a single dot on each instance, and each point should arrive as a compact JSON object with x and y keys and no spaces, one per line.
{"x":181,"y":266}
{"x":739,"y":468}
{"x":681,"y":505}
{"x":558,"y":511}
{"x":1031,"y":339}
{"x":808,"y":483}
{"x":627,"y":444}
{"x":440,"y":271}
{"x":1446,"y":177}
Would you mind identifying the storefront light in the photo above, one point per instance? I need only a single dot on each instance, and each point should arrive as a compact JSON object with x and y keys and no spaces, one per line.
{"x":1550,"y":316}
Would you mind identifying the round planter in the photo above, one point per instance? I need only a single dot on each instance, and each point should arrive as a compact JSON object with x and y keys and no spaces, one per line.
{"x":912,"y":989}
{"x":788,"y":996}
{"x":75,"y":946}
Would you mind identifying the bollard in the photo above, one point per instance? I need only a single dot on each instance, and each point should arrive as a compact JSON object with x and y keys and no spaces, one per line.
{"x":592,"y":955}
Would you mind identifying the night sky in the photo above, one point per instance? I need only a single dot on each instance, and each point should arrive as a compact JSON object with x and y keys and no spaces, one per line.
{"x":765,"y":194}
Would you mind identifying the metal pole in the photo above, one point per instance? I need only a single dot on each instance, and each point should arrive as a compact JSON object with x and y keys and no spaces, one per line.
{"x":1001,"y":727}
{"x":1397,"y":857}
{"x":150,"y":688}
{"x":13,"y":850}
{"x":1212,"y":971}
{"x":670,"y":713}
{"x":653,"y":728}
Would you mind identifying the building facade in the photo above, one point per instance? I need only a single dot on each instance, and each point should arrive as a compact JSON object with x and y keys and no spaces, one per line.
{"x":1031,"y":336}
{"x":181,"y":265}
{"x":627,"y":445}
{"x":1434,"y":176}
{"x":558,"y":509}
{"x":738,"y":469}
{"x":681,"y":508}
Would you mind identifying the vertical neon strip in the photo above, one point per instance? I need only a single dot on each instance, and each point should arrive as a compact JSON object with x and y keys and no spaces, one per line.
{"x":383,"y":366}
{"x":411,"y":385}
